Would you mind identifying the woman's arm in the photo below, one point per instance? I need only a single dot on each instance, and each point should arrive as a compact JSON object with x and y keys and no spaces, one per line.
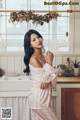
{"x":49,"y":77}
{"x":50,"y":73}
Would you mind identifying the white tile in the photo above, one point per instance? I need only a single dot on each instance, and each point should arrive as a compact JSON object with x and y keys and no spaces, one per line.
{"x":58,"y":60}
{"x":73,"y":58}
{"x":17,"y":65}
{"x":10,"y":65}
{"x":78,"y":58}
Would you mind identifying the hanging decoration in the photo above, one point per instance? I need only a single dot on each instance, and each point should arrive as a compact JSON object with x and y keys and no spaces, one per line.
{"x":30,"y":15}
{"x":67,"y":34}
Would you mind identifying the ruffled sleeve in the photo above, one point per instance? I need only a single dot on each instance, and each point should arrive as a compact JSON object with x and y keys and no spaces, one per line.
{"x":50,"y":74}
{"x":47,"y":74}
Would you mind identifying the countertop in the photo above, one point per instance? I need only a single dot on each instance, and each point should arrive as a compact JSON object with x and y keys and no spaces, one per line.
{"x":68,"y":80}
{"x":27,"y":79}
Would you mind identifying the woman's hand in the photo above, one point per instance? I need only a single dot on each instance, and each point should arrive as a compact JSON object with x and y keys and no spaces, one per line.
{"x":44,"y":85}
{"x":49,"y":57}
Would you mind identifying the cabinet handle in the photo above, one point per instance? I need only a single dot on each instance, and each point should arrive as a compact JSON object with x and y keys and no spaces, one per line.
{"x":62,"y":110}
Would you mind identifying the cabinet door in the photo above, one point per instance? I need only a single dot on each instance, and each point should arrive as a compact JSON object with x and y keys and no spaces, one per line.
{"x":70,"y":104}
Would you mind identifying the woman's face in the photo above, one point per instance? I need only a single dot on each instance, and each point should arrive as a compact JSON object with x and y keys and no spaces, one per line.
{"x":36,"y":41}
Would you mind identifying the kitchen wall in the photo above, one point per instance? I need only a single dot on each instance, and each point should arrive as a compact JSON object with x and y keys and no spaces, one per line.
{"x":13,"y":63}
{"x":75,"y":29}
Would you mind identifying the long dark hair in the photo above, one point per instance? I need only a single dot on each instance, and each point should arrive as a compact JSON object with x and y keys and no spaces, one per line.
{"x":28,"y":50}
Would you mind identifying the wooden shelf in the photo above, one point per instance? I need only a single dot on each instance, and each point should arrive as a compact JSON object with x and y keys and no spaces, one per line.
{"x":41,"y":11}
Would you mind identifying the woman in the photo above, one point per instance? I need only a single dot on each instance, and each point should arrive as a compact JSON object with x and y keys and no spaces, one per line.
{"x":43,"y":74}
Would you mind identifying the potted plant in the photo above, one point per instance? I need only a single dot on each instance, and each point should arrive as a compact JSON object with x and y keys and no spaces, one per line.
{"x":76,"y":67}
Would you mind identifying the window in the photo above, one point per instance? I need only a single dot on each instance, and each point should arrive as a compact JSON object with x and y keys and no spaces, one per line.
{"x":54,"y":33}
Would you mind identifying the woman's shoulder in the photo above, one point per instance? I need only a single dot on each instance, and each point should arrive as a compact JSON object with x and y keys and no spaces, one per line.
{"x":35,"y":62}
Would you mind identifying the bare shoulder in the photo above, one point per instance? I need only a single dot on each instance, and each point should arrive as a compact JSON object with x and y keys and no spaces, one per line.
{"x":35,"y":62}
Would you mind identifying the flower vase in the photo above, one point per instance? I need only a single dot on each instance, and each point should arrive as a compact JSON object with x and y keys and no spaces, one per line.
{"x":76,"y":71}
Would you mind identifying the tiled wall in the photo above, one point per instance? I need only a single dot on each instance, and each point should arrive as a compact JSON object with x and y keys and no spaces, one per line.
{"x":13,"y":63}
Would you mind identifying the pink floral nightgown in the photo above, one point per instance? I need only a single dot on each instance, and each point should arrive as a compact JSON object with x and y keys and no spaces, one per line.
{"x":40,"y":100}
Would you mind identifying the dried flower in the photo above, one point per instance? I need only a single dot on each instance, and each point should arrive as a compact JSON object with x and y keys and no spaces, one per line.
{"x":36,"y":18}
